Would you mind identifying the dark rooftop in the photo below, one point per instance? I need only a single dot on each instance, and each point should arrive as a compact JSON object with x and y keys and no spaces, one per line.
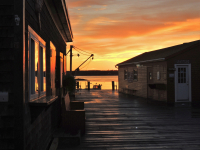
{"x":159,"y":54}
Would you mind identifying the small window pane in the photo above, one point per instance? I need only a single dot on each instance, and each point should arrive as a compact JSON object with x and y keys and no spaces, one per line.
{"x":135,"y":75}
{"x":125,"y":74}
{"x":41,"y":69}
{"x":44,"y":69}
{"x":32,"y":67}
{"x":36,"y":65}
{"x":150,"y":76}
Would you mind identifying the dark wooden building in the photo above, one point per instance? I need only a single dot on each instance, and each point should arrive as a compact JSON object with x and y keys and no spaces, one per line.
{"x":170,"y":75}
{"x":33,"y":36}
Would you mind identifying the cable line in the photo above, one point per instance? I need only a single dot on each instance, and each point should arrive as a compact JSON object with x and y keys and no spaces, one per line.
{"x":81,"y":50}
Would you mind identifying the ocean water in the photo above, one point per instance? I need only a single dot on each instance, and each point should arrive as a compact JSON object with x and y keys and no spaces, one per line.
{"x":104,"y":81}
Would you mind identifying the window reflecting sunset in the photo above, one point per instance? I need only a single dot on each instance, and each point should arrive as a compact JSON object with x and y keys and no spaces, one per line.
{"x":36,"y":65}
{"x":53,"y":66}
{"x":44,"y":69}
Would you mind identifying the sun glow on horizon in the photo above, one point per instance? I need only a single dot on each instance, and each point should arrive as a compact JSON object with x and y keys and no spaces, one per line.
{"x":116,"y":30}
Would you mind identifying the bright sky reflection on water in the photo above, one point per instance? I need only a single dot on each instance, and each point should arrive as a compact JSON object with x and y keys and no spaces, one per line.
{"x":105,"y":81}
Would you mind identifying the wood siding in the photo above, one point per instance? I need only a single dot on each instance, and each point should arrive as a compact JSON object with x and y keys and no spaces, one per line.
{"x":142,"y":85}
{"x":193,"y":56}
{"x":7,"y":74}
{"x":18,"y":129}
{"x":38,"y":132}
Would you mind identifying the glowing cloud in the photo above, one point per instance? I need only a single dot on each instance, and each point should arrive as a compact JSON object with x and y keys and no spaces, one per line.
{"x":116,"y":30}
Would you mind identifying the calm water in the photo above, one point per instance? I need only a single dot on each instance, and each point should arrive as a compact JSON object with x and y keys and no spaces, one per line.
{"x":105,"y":81}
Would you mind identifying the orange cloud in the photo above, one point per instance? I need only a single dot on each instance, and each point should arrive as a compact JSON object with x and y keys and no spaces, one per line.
{"x":120,"y":30}
{"x":86,"y":3}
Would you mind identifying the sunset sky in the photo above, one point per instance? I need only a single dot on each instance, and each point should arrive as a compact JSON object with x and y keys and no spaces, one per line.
{"x":116,"y":30}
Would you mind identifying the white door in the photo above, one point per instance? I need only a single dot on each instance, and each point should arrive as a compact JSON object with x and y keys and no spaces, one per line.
{"x":182,"y":91}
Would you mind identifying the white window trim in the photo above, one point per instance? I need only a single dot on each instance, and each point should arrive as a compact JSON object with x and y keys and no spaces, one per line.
{"x":33,"y":35}
{"x":42,"y":93}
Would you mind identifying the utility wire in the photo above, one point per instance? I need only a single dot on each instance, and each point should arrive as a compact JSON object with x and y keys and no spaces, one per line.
{"x":81,"y":50}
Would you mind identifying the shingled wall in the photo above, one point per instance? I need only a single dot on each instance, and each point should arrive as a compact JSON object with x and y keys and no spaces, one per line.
{"x":6,"y":74}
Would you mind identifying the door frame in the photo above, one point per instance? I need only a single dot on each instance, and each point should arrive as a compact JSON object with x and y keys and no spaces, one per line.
{"x":176,"y":81}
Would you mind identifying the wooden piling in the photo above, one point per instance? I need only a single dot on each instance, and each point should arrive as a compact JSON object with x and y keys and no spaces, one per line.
{"x":113,"y":85}
{"x":88,"y":85}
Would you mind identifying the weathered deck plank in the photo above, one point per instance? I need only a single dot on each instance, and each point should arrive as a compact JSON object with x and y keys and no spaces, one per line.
{"x":116,"y":121}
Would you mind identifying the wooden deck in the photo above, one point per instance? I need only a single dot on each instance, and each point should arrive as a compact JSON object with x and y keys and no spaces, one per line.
{"x":115,"y":121}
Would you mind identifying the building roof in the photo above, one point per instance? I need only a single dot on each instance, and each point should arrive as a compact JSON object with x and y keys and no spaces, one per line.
{"x":58,"y":11}
{"x":159,"y":55}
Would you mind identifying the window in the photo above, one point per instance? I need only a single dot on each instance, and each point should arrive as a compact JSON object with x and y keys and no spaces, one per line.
{"x":65,"y":65}
{"x":135,"y":75}
{"x":125,"y":74}
{"x":150,"y":76}
{"x":37,"y":65}
{"x":53,"y":68}
{"x":181,"y":75}
{"x":158,"y":75}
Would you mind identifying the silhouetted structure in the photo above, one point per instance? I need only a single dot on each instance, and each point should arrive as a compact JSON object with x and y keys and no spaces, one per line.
{"x":96,"y":73}
{"x":33,"y":36}
{"x":170,"y":74}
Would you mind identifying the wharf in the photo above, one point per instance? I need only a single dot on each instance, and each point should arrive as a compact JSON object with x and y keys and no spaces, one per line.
{"x":116,"y":121}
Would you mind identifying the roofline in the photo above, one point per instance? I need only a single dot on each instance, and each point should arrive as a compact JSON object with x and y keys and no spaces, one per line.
{"x":167,"y":57}
{"x":184,"y":50}
{"x":151,"y":60}
{"x":57,"y":20}
{"x":68,"y":20}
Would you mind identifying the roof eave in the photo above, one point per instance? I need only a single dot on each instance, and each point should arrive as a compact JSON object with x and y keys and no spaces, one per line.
{"x":66,"y":23}
{"x":59,"y":14}
{"x":152,"y":60}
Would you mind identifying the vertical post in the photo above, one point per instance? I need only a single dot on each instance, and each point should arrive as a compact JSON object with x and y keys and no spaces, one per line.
{"x":77,"y":85}
{"x":71,"y":46}
{"x":88,"y":85}
{"x":66,"y":60}
{"x":113,"y":85}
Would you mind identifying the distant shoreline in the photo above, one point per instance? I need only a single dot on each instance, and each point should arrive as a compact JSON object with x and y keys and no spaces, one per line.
{"x":96,"y":73}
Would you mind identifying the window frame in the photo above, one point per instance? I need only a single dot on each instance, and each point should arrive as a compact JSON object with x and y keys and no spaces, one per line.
{"x":158,"y":75}
{"x":126,"y":74}
{"x":135,"y":74}
{"x":32,"y":35}
{"x":150,"y":76}
{"x":44,"y":49}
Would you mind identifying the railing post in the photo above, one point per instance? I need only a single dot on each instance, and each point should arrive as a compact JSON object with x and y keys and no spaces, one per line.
{"x":88,"y":85}
{"x":113,"y":85}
